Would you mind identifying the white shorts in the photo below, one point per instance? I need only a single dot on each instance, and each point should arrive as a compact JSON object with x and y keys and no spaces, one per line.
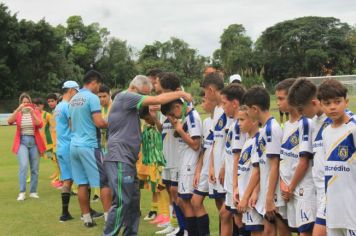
{"x":216,"y":191}
{"x":340,"y":232}
{"x":229,"y":203}
{"x":185,"y":182}
{"x":170,"y":176}
{"x":321,"y":207}
{"x":252,"y":220}
{"x":203,"y":186}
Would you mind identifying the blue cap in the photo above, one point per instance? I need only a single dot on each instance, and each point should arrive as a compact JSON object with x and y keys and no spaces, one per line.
{"x":71,"y":84}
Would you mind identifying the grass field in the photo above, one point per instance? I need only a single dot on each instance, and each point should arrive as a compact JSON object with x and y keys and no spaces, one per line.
{"x":40,"y":217}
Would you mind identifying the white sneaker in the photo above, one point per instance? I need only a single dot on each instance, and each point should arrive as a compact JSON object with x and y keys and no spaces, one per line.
{"x":21,"y":197}
{"x":186,"y":233}
{"x":167,"y":230}
{"x":34,"y":195}
{"x":174,"y":232}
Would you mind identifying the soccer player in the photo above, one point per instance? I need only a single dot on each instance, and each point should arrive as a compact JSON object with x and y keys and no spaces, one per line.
{"x":249,"y":174}
{"x":212,"y":84}
{"x":189,"y":131}
{"x":85,"y":153}
{"x":61,"y":114}
{"x":201,"y":178}
{"x":124,"y":145}
{"x":303,"y":96}
{"x":296,"y":180}
{"x":269,"y":146}
{"x":339,"y":139}
{"x":231,"y":98}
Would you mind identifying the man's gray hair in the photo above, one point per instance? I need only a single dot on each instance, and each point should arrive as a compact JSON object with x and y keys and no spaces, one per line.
{"x":141,"y":81}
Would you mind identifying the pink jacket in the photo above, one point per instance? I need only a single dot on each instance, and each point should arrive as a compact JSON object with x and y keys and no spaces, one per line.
{"x":38,"y":139}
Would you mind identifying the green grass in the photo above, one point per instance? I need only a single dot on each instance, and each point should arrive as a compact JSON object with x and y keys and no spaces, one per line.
{"x":40,"y":217}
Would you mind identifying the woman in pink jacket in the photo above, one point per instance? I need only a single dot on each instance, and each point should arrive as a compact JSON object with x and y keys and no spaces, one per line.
{"x":28,"y":143}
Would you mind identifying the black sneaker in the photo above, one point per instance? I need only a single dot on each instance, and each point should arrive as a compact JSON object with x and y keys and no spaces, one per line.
{"x":90,"y":224}
{"x":73,"y":193}
{"x":96,"y":198}
{"x":94,"y":214}
{"x":65,"y":217}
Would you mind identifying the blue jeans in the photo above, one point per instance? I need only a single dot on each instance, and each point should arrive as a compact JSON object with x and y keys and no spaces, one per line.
{"x":28,"y":154}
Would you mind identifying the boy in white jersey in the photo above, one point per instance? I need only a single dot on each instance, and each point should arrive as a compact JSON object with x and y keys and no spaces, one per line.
{"x":231,"y":97}
{"x":296,"y":181}
{"x":339,"y":140}
{"x":201,"y":178}
{"x":213,"y":83}
{"x":269,"y":146}
{"x":189,"y":131}
{"x":249,"y":174}
{"x":303,"y":96}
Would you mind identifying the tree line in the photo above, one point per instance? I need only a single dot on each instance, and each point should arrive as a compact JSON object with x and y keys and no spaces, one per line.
{"x":38,"y":57}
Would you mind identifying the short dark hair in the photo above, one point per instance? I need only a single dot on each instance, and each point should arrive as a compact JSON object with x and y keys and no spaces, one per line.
{"x":166,"y":108}
{"x":144,"y":112}
{"x":52,"y":96}
{"x":214,"y":79}
{"x":285,"y":84}
{"x":331,"y":88}
{"x":104,"y":89}
{"x":154,"y":72}
{"x":301,"y":92}
{"x":38,"y":101}
{"x":234,"y":91}
{"x":257,"y":96}
{"x":169,"y":81}
{"x":92,"y":75}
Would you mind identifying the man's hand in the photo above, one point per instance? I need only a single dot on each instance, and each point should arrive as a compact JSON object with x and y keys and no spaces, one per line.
{"x":187,"y":96}
{"x":236,"y":196}
{"x":222,"y":175}
{"x":253,"y":200}
{"x":196,"y":180}
{"x":212,"y":178}
{"x":270,"y":209}
{"x":153,"y":109}
{"x":286,"y":193}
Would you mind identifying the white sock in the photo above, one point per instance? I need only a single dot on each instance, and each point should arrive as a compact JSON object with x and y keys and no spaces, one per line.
{"x":170,"y":211}
{"x":87,"y":218}
{"x":105,"y":216}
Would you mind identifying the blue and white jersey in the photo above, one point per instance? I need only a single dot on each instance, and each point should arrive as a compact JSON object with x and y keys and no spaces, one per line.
{"x":234,"y":143}
{"x":340,"y":175}
{"x":170,"y":143}
{"x":269,"y":144}
{"x":193,"y":127}
{"x":319,"y":123}
{"x":220,"y":127}
{"x":248,"y":158}
{"x":296,"y":142}
{"x":61,"y":114}
{"x":208,"y":140}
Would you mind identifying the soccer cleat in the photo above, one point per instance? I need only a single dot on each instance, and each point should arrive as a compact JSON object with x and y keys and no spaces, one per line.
{"x":21,"y":197}
{"x":34,"y":195}
{"x":65,"y":217}
{"x":157,"y":220}
{"x":164,"y":223}
{"x":150,"y":216}
{"x":174,"y":232}
{"x":96,"y":198}
{"x":89,"y":224}
{"x":167,"y":230}
{"x":94,"y":214}
{"x":57,"y":184}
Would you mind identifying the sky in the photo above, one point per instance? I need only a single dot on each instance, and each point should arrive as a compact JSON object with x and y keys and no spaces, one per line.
{"x":198,"y":22}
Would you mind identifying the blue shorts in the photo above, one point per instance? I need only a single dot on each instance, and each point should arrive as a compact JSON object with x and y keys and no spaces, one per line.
{"x":63,"y":158}
{"x":84,"y":166}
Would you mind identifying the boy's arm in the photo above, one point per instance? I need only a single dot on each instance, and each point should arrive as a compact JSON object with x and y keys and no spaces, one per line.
{"x":198,"y":169}
{"x":252,"y":184}
{"x":271,"y":185}
{"x":211,"y":166}
{"x":193,"y":142}
{"x":234,"y":174}
{"x":165,"y":98}
{"x":300,"y":171}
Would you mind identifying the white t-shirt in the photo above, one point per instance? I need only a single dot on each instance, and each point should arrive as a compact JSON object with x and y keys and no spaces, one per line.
{"x":193,"y":127}
{"x":296,"y":141}
{"x":340,"y":175}
{"x":170,"y":143}
{"x":208,"y":137}
{"x":234,"y":143}
{"x":220,"y":128}
{"x":248,"y":159}
{"x":319,"y":123}
{"x":269,"y":144}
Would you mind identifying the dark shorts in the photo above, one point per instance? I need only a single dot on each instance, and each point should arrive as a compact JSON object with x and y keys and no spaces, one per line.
{"x":99,"y":157}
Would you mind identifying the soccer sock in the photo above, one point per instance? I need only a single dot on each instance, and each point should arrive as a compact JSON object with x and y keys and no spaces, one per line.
{"x":87,"y":218}
{"x":65,"y":203}
{"x":244,"y":232}
{"x":235,"y":230}
{"x":179,"y":215}
{"x":191,"y":225}
{"x":203,"y":225}
{"x":163,"y":203}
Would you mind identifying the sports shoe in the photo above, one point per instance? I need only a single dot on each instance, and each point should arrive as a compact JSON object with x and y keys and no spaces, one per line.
{"x":164,"y":223}
{"x":34,"y":195}
{"x":57,"y":184}
{"x":150,"y":216}
{"x":157,"y":220}
{"x":167,"y":230}
{"x":94,"y":214}
{"x":90,"y":224}
{"x":65,"y":217}
{"x":21,"y":197}
{"x":95,"y":198}
{"x":174,"y":232}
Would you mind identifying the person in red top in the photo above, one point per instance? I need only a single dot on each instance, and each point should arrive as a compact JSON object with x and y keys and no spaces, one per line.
{"x":28,"y":143}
